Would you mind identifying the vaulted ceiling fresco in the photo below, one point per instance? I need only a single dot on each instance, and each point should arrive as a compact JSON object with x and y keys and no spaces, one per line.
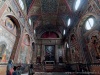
{"x":28,"y":3}
{"x":51,"y":12}
{"x":48,"y":11}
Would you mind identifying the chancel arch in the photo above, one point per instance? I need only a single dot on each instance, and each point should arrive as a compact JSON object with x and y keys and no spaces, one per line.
{"x":49,"y":34}
{"x":55,"y":34}
{"x":48,"y":47}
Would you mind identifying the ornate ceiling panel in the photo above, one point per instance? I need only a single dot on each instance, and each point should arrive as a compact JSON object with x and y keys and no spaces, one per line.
{"x":49,"y":27}
{"x":28,"y":3}
{"x":34,"y":18}
{"x":37,"y":3}
{"x":49,"y":12}
{"x":71,"y":3}
{"x":35,"y":10}
{"x":49,"y":6}
{"x":49,"y":19}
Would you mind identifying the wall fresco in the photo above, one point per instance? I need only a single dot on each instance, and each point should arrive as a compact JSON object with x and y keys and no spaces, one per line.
{"x":74,"y":49}
{"x":94,"y":46}
{"x":25,"y":50}
{"x":9,"y":39}
{"x":1,"y":3}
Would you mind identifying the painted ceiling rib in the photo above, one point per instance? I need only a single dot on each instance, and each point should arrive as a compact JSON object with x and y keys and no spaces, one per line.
{"x":63,"y":22}
{"x":36,"y":23}
{"x":31,"y":5}
{"x":68,"y":6}
{"x":58,"y":6}
{"x":44,"y":14}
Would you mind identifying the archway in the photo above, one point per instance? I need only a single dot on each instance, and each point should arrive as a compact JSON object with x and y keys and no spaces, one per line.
{"x":10,"y":34}
{"x":49,"y":34}
{"x":25,"y":55}
{"x":18,"y":33}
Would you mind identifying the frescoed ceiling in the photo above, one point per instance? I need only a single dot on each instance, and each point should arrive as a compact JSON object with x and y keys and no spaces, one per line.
{"x":28,"y":3}
{"x":48,"y":11}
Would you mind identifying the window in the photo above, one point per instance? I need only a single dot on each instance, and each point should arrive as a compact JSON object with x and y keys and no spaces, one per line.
{"x":64,"y":32}
{"x":30,"y":22}
{"x":89,"y":23}
{"x":67,"y":45}
{"x":69,"y":22}
{"x":34,"y":31}
{"x":21,"y":4}
{"x":77,"y":4}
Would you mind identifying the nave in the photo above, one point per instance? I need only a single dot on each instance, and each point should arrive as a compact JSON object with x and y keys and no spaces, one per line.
{"x":50,"y":37}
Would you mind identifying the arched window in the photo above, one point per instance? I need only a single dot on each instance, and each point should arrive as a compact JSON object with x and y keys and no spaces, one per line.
{"x":30,"y":22}
{"x":89,"y":23}
{"x":64,"y":32}
{"x":26,"y":40}
{"x":21,"y":4}
{"x":67,"y":45}
{"x":69,"y":22}
{"x":77,"y":4}
{"x":34,"y":31}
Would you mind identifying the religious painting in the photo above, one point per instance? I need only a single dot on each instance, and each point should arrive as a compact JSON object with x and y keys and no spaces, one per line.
{"x":94,"y":46}
{"x":9,"y":24}
{"x":7,"y":41}
{"x":60,"y":50}
{"x":26,"y":40}
{"x":60,"y":54}
{"x":38,"y":50}
{"x":38,"y":60}
{"x":25,"y":53}
{"x":22,"y":55}
{"x":2,"y":53}
{"x":49,"y":52}
{"x":1,"y":50}
{"x":74,"y":49}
